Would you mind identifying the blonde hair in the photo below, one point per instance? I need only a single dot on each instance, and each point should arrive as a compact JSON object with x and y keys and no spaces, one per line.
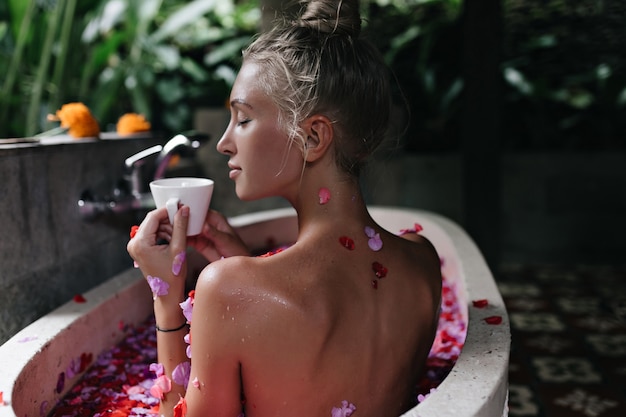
{"x":317,"y":63}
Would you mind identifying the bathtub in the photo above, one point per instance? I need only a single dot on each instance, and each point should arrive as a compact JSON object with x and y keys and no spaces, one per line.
{"x":32,"y":361}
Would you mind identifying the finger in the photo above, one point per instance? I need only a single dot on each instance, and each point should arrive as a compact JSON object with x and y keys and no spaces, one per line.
{"x":151,"y":223}
{"x":179,"y":234}
{"x":217,"y":220}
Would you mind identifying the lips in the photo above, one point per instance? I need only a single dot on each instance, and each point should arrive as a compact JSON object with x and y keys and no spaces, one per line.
{"x":234,"y":171}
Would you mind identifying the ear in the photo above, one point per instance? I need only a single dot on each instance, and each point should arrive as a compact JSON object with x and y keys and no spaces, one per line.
{"x":320,"y":135}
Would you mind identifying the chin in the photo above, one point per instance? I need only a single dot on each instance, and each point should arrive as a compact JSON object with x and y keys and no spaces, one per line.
{"x":247,"y":196}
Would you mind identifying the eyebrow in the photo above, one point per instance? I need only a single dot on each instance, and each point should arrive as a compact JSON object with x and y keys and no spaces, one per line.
{"x":240,"y":101}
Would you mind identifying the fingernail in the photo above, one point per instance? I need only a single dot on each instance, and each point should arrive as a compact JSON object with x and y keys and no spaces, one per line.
{"x":185,"y":211}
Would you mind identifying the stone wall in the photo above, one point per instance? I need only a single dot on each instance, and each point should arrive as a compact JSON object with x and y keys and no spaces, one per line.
{"x":47,"y":253}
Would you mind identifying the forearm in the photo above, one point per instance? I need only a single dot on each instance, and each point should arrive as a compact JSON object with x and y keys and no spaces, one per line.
{"x":171,"y":347}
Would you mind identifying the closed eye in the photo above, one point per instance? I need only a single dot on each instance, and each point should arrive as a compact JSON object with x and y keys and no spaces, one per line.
{"x":243,"y":122}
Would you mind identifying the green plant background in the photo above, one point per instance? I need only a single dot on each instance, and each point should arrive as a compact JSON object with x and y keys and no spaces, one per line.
{"x":159,"y":58}
{"x":563,"y":71}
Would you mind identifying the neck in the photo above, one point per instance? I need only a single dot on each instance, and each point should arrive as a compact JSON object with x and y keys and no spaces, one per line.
{"x":329,"y":198}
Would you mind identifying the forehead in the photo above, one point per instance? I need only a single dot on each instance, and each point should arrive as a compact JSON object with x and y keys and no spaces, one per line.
{"x":247,"y":84}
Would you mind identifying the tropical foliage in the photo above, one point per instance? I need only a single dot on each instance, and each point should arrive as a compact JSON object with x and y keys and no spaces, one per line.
{"x":562,"y":67}
{"x":155,"y":57}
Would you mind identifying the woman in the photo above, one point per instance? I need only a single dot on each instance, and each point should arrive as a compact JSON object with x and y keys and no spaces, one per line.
{"x":342,"y":321}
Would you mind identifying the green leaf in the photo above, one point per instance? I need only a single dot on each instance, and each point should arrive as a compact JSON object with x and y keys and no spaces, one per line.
{"x":517,"y":80}
{"x":184,"y":16}
{"x":226,"y":51}
{"x":168,"y":56}
{"x":195,"y":71}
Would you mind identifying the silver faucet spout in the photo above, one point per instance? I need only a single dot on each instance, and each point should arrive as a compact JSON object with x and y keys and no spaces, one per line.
{"x":132,"y":194}
{"x":177,"y":142}
{"x":131,"y":161}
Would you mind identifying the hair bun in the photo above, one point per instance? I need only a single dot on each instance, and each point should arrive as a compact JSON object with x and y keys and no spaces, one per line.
{"x":332,"y":17}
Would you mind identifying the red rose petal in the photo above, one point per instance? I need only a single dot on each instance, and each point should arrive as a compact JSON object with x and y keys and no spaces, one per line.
{"x":180,"y":409}
{"x":379,"y":269}
{"x":133,"y":231}
{"x":480,"y":303}
{"x":493,"y":319}
{"x":78,"y":298}
{"x":346,"y":242}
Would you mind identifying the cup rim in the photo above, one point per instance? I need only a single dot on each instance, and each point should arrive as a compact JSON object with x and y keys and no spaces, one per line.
{"x":198,"y":182}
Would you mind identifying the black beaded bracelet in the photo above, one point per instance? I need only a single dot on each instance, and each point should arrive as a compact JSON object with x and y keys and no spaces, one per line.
{"x":182,"y":326}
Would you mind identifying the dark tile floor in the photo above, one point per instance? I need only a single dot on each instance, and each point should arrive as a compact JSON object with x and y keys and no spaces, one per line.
{"x":568,"y":330}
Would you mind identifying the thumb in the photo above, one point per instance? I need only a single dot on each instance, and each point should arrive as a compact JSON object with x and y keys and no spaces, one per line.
{"x":179,"y":234}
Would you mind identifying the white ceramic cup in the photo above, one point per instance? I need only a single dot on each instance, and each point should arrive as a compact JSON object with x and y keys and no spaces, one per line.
{"x":192,"y":192}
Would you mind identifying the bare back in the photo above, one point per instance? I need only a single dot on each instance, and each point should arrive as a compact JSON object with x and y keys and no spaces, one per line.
{"x":314,"y":325}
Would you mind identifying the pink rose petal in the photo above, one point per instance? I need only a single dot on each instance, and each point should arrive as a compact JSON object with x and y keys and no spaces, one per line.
{"x":162,"y":385}
{"x":178,"y":262}
{"x":181,"y":374}
{"x":324,"y":195}
{"x":158,"y":286}
{"x":157,"y":368}
{"x":346,"y":410}
{"x":187,"y":307}
{"x":375,"y":243}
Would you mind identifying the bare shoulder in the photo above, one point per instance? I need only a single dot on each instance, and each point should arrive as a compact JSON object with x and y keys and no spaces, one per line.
{"x":241,"y":286}
{"x":423,"y":247}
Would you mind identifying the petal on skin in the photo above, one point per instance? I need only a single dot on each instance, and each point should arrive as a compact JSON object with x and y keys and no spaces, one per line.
{"x":181,"y":374}
{"x":187,"y":340}
{"x":180,"y":409}
{"x":379,"y":270}
{"x":156,"y":392}
{"x":178,"y":262}
{"x":375,"y":243}
{"x":346,"y":242}
{"x":133,"y":231}
{"x":196,"y":383}
{"x":346,"y":410}
{"x":161,"y":386}
{"x":187,"y":307}
{"x":369,"y":232}
{"x":157,"y":368}
{"x":158,"y":286}
{"x":324,"y":195}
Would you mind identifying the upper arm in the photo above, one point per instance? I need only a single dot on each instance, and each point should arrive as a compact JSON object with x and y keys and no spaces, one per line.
{"x":215,"y":352}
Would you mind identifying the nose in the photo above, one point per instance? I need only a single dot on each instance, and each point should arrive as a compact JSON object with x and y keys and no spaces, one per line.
{"x":225,"y":145}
